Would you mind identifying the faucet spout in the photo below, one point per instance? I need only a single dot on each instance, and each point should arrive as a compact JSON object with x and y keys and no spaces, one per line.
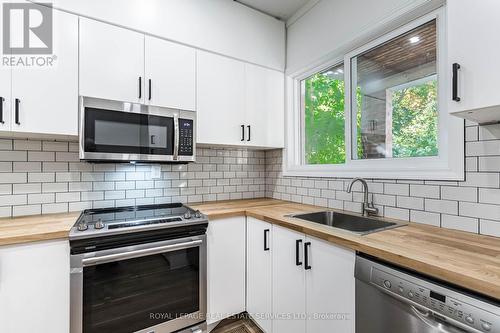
{"x":368,"y":207}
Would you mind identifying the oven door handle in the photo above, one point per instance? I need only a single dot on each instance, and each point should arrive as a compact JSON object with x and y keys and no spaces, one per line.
{"x":138,"y":253}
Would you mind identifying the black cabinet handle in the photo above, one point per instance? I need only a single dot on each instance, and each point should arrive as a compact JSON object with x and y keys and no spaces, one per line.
{"x":266,"y":241}
{"x":149,"y":97}
{"x":18,"y":101}
{"x":1,"y":110}
{"x":140,"y":87}
{"x":242,"y":132}
{"x":307,"y":245}
{"x":297,"y":252}
{"x":455,"y":96}
{"x":249,"y":135}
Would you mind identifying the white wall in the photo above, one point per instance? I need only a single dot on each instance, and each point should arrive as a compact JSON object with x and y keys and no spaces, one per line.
{"x":221,"y":26}
{"x":331,"y":27}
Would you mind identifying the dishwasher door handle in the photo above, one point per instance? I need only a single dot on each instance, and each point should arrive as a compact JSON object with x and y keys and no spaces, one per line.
{"x":428,"y":318}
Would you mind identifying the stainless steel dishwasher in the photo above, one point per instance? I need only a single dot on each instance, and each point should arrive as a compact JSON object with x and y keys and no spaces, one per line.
{"x":393,"y":300}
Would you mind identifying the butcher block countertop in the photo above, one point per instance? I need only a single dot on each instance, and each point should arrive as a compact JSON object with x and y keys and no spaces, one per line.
{"x":467,"y":260}
{"x":35,"y":228}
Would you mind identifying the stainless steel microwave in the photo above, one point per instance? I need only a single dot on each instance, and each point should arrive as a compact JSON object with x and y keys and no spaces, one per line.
{"x":122,"y":131}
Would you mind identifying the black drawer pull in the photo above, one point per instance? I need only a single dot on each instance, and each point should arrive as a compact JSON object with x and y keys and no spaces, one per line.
{"x":149,"y":97}
{"x":307,"y":246}
{"x":266,"y":240}
{"x":17,"y":102}
{"x":455,"y":96}
{"x":297,"y":252}
{"x":249,"y":135}
{"x":242,"y":132}
{"x":1,"y":110}
{"x":140,"y":87}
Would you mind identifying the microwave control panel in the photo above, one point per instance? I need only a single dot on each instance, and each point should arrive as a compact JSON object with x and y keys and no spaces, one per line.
{"x":186,"y":138}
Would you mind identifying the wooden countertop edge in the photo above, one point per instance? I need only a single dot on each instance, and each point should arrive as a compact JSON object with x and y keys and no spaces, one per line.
{"x":36,"y":237}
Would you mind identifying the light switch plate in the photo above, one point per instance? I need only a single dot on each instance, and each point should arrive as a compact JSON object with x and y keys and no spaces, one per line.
{"x":155,"y":171}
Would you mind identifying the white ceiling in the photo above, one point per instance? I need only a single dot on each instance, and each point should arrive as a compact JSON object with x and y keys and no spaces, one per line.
{"x":282,"y":9}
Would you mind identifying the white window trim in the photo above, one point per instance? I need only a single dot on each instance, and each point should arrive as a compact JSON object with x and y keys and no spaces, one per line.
{"x":450,"y":163}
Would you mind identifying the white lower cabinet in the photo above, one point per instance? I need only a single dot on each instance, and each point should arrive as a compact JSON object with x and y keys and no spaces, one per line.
{"x":330,"y":291}
{"x":259,"y":272}
{"x":313,"y":284}
{"x":34,"y":287}
{"x":289,"y":281}
{"x":226,"y":268}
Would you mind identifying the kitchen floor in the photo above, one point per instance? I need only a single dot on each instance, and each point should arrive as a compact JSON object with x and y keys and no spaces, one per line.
{"x":241,"y":324}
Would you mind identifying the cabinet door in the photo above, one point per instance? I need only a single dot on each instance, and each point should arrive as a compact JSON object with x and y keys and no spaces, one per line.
{"x":226,"y":268}
{"x":259,"y":274}
{"x":473,"y":44}
{"x":111,"y":62}
{"x":5,"y":88}
{"x":330,"y":287}
{"x":289,"y":294}
{"x":48,"y":96}
{"x":220,"y":99}
{"x":264,"y":96}
{"x":171,"y":69}
{"x":34,"y":288}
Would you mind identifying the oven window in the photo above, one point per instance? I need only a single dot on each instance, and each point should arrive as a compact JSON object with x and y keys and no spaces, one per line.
{"x":134,"y":294}
{"x":128,"y":133}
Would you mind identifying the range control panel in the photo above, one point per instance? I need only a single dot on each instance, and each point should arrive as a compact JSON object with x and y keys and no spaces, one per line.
{"x":186,"y":138}
{"x":438,"y":301}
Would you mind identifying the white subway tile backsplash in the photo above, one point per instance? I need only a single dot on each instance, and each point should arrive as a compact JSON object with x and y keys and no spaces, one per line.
{"x":27,"y":145}
{"x":68,"y":197}
{"x":41,"y":198}
{"x":11,"y":200}
{"x":26,"y":210}
{"x":13,"y":156}
{"x":13,"y":178}
{"x":425,"y":191}
{"x":479,"y":210}
{"x":26,"y":188}
{"x":27,"y":166}
{"x":397,"y":189}
{"x":490,"y":228}
{"x":459,"y":193}
{"x":441,"y":206}
{"x":425,"y":217}
{"x":460,"y":223}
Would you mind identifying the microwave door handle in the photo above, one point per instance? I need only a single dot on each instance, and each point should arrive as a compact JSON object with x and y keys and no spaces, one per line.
{"x":138,"y":253}
{"x":176,"y":137}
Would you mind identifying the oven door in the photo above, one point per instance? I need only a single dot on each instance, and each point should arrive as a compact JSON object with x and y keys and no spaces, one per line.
{"x":156,"y":287}
{"x":111,"y":130}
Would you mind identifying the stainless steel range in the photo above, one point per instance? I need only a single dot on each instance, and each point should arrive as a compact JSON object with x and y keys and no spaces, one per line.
{"x":139,"y":269}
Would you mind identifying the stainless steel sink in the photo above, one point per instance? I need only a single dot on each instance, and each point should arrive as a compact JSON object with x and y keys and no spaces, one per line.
{"x":356,"y":224}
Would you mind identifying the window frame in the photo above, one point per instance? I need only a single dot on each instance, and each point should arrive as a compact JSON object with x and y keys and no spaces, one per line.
{"x":448,"y":165}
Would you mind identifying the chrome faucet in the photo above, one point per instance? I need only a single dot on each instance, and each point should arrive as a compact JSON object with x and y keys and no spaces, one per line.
{"x":368,"y":207}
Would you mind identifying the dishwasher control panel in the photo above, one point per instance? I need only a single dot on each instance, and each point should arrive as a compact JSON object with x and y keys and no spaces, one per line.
{"x":437,"y":299}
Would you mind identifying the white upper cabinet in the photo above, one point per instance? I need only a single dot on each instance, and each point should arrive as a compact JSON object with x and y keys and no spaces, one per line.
{"x":5,"y":90}
{"x":239,"y":104}
{"x":264,"y":106}
{"x":220,"y":99}
{"x":45,"y":99}
{"x":473,"y":43}
{"x":111,"y":62}
{"x":330,"y":287}
{"x":259,"y":272}
{"x":170,"y":72}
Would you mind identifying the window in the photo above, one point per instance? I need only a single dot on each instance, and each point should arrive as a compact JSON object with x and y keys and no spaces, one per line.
{"x":378,"y":111}
{"x":324,"y":121}
{"x":396,"y":100}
